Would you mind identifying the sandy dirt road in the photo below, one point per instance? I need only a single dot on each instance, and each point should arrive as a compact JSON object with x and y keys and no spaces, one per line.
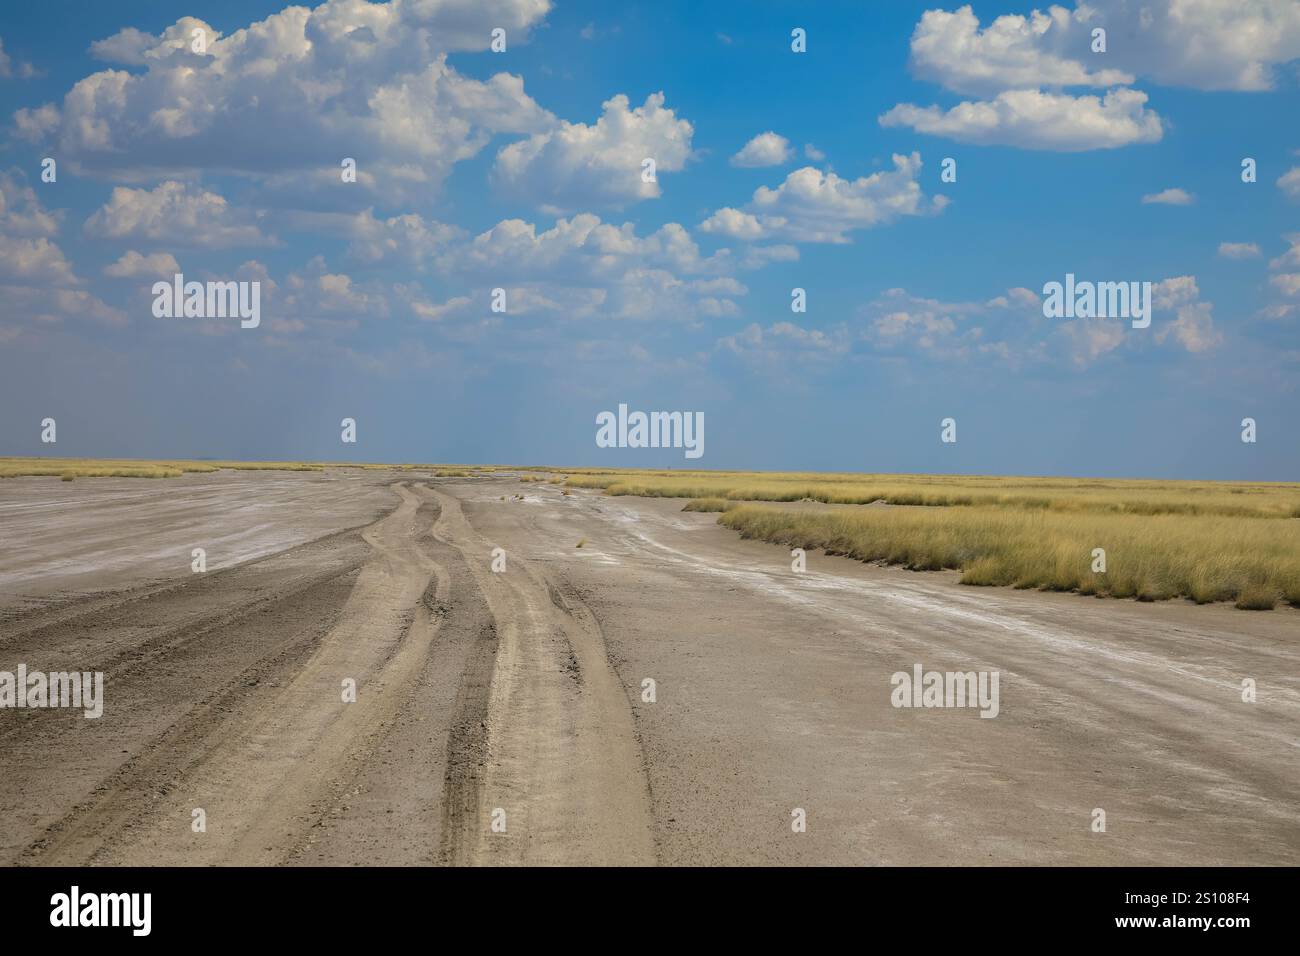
{"x":114,"y":532}
{"x":517,"y":696}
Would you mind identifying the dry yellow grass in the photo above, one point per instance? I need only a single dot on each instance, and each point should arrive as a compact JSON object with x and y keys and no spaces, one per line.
{"x":709,"y":504}
{"x":1115,"y":496}
{"x":1202,"y":540}
{"x":1252,"y":561}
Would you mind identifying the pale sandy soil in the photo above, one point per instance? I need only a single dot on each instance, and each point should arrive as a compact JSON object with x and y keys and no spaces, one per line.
{"x":107,"y":532}
{"x":521,"y":691}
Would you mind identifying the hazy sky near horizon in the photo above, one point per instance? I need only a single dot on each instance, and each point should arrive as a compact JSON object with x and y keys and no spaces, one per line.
{"x":775,"y":170}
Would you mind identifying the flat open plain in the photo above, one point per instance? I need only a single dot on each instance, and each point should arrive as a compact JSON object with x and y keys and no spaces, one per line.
{"x":522,"y":691}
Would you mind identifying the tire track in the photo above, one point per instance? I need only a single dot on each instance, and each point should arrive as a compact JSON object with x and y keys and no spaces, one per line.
{"x":562,"y":759}
{"x":237,"y":710}
{"x":37,"y":625}
{"x":277,"y":763}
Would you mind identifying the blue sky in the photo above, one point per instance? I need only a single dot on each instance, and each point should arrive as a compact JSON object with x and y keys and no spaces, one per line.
{"x":521,"y":170}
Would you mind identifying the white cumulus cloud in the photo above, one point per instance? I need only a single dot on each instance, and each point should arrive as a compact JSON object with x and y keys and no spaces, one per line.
{"x":765,"y":149}
{"x":1239,"y":250}
{"x":131,"y":265}
{"x":583,"y":267}
{"x":1022,"y":67}
{"x":1289,"y":183}
{"x":574,"y":164}
{"x":1013,"y":52}
{"x":175,"y":212}
{"x":1203,"y":44}
{"x":816,"y":206}
{"x":296,"y":91}
{"x":1168,"y":197}
{"x":1036,"y":120}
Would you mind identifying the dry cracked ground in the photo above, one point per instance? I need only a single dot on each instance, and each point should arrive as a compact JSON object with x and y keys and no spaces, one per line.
{"x":518,"y":696}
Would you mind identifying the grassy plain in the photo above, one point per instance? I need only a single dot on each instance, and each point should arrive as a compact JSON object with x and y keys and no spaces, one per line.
{"x":1205,"y":541}
{"x":1202,"y":540}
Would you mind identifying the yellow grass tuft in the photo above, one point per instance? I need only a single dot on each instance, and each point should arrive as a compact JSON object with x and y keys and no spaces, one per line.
{"x":1206,"y":541}
{"x":1253,"y":562}
{"x":709,"y":504}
